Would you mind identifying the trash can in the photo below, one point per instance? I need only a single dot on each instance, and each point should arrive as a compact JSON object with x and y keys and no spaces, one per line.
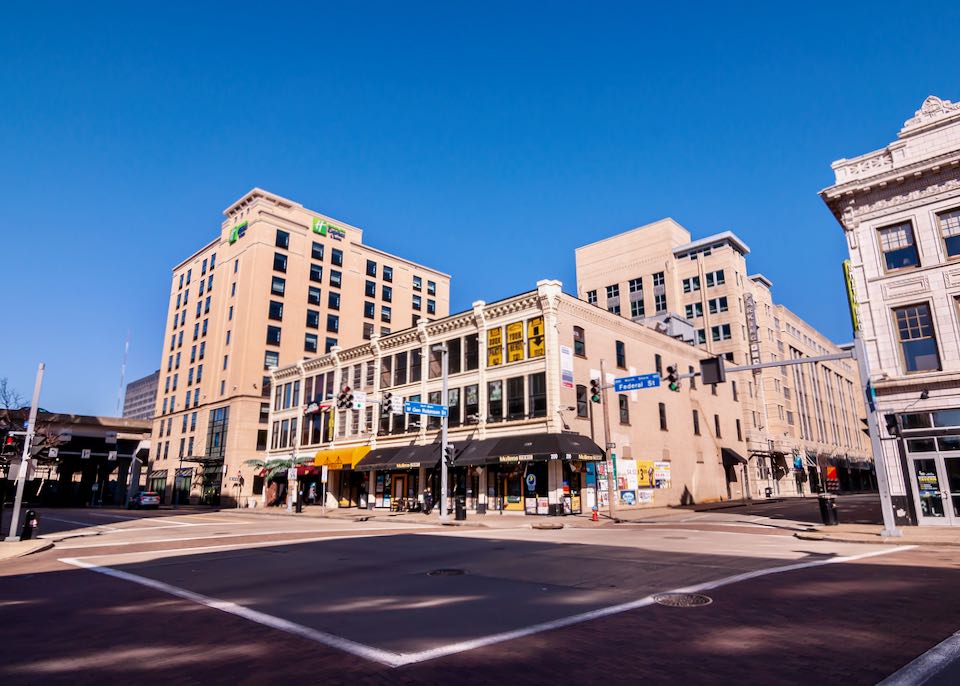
{"x":31,"y":522}
{"x":828,"y":509}
{"x":461,"y":508}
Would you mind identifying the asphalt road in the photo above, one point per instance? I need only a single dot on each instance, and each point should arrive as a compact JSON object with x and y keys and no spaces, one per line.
{"x":244,"y":598}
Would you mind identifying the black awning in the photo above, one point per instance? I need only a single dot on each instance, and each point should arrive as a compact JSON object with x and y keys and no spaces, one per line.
{"x":401,"y":457}
{"x":529,"y":448}
{"x":375,"y":459}
{"x":731,"y":458}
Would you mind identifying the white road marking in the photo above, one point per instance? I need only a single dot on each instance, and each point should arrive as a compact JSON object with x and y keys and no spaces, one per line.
{"x":392,"y":659}
{"x":85,"y":525}
{"x":146,"y":541}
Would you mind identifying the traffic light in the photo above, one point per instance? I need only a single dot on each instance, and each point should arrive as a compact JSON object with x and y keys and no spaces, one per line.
{"x":386,"y":403}
{"x":345,"y":399}
{"x":448,"y":455}
{"x":595,"y":390}
{"x":673,"y":379}
{"x":12,"y":445}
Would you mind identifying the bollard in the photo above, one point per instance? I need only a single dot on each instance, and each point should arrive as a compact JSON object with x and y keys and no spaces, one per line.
{"x":31,"y":523}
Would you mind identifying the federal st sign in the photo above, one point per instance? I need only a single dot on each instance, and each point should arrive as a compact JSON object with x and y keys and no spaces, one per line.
{"x":633,"y":383}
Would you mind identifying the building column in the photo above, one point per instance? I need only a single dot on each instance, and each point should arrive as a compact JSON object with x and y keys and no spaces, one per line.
{"x":482,"y":495}
{"x":555,"y":486}
{"x":548,"y":290}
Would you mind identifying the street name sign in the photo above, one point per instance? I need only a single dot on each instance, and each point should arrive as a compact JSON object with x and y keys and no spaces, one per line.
{"x":632,"y":383}
{"x":427,"y":409}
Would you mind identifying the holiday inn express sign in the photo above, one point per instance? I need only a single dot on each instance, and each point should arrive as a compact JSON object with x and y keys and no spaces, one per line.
{"x":324,"y":228}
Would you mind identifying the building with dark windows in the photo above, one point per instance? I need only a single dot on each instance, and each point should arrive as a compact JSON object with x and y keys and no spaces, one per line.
{"x":278,"y":284}
{"x":527,"y":436}
{"x":140,"y":397}
{"x":802,"y":424}
{"x":900,"y":212}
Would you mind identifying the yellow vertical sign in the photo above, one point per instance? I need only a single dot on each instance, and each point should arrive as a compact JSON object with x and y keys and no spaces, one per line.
{"x":494,"y":346}
{"x":515,"y":342}
{"x":851,"y":297}
{"x":535,"y":337}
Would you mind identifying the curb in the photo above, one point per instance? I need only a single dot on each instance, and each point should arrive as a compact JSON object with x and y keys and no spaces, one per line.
{"x":872,"y":540}
{"x":27,"y":551}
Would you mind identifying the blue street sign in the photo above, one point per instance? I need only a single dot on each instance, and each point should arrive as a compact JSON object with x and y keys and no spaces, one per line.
{"x":425,"y":408}
{"x":633,"y":383}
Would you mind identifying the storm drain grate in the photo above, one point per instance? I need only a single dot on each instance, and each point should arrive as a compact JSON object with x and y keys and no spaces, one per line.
{"x":682,"y":599}
{"x":446,"y":572}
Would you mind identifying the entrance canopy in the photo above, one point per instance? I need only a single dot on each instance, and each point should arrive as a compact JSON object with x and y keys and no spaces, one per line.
{"x":528,"y":448}
{"x":340,"y":458}
{"x":731,"y":458}
{"x":402,"y":457}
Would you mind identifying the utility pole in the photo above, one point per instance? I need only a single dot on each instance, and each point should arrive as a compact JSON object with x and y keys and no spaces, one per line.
{"x":883,"y":479}
{"x":25,"y":457}
{"x":444,"y":400}
{"x":607,"y":446}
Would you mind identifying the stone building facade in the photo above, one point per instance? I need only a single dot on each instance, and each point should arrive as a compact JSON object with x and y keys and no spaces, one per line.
{"x":900,"y":212}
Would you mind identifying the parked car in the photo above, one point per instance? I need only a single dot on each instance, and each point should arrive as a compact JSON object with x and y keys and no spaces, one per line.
{"x":144,"y":500}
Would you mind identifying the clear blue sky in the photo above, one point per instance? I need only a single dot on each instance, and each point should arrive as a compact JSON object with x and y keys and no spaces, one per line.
{"x":488,"y":141}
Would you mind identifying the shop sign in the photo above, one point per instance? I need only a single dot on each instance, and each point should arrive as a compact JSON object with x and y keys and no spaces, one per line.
{"x":515,"y":458}
{"x":325,"y":228}
{"x":238,"y":232}
{"x":661,"y":474}
{"x":407,"y":465}
{"x":566,"y":366}
{"x":494,"y":346}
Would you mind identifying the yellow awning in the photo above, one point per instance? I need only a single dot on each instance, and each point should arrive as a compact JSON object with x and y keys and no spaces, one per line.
{"x":338,"y":458}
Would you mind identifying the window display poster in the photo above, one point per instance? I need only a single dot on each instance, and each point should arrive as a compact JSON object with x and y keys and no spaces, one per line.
{"x":515,"y":342}
{"x":645,"y":473}
{"x":494,"y":346}
{"x":535,"y":337}
{"x":661,"y":474}
{"x":645,"y":496}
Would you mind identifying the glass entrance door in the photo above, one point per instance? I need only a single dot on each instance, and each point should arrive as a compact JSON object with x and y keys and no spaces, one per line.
{"x":931,"y":495}
{"x":952,"y":483}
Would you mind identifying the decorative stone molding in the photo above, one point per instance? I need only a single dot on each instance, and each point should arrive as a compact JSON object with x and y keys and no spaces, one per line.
{"x":951,"y":277}
{"x":902,"y":288}
{"x":933,"y":109}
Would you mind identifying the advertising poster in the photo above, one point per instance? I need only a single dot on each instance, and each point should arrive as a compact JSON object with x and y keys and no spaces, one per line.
{"x":661,"y":474}
{"x":628,"y":498}
{"x":566,"y":366}
{"x":645,"y":473}
{"x":645,"y":496}
{"x":494,"y":346}
{"x":535,"y":342}
{"x":627,"y":481}
{"x":515,"y":342}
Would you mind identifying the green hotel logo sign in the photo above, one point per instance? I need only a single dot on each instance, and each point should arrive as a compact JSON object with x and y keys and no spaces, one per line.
{"x":325,"y":228}
{"x":238,"y":232}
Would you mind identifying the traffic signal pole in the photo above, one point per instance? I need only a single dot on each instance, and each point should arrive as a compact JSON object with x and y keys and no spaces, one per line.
{"x":611,"y":486}
{"x":25,"y":458}
{"x":445,"y":401}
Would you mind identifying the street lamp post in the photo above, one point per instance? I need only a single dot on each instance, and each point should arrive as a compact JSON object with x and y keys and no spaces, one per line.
{"x":444,"y":400}
{"x":25,"y":457}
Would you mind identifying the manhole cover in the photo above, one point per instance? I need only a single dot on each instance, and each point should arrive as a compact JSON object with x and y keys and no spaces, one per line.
{"x":446,"y":572}
{"x":682,"y":599}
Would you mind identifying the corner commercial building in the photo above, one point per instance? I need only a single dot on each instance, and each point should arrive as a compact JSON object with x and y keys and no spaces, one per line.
{"x":527,"y":436}
{"x":802,"y":424}
{"x":900,"y":212}
{"x":279,"y":283}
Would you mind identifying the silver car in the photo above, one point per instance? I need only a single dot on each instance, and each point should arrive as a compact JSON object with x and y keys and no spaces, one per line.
{"x":144,"y":500}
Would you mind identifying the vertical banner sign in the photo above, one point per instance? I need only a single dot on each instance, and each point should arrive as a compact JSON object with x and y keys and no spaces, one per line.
{"x":851,"y":297}
{"x":515,"y":342}
{"x":566,"y":366}
{"x":753,"y":335}
{"x":535,"y":337}
{"x":494,"y":346}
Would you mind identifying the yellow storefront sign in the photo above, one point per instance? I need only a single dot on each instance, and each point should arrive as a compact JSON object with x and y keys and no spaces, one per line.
{"x":535,"y":337}
{"x":515,"y":342}
{"x":494,"y":347}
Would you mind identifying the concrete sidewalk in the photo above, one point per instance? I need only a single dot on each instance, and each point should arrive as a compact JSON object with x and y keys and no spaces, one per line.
{"x":13,"y":549}
{"x":870,"y":533}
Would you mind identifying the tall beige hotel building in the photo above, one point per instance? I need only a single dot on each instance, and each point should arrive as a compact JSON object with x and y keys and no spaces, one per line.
{"x":801,"y":424}
{"x":278,"y":284}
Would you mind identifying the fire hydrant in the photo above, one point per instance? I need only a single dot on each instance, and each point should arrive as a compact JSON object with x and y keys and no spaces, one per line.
{"x":594,"y":517}
{"x":31,"y":523}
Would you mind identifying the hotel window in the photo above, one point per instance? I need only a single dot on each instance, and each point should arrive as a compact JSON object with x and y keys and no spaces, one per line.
{"x":367,"y":331}
{"x":201,"y":287}
{"x":917,"y":340}
{"x":720,"y":333}
{"x":582,"y":407}
{"x":950,"y":231}
{"x":898,"y":247}
{"x":333,"y":323}
{"x":333,"y":300}
{"x":199,"y":307}
{"x":388,"y":273}
{"x":385,"y":313}
{"x":662,"y":409}
{"x":371,"y":268}
{"x":316,"y":273}
{"x":370,"y":289}
{"x":236,"y":265}
{"x":660,"y":303}
{"x":279,"y":262}
{"x":310,"y":343}
{"x":329,"y":344}
{"x":636,"y":308}
{"x":515,"y":398}
{"x":537,"y":388}
{"x":692,"y":284}
{"x":335,"y":278}
{"x":387,"y":294}
{"x":369,"y":310}
{"x":278,"y":286}
{"x":181,"y":281}
{"x":658,"y":279}
{"x":417,"y":283}
{"x":316,"y":251}
{"x":591,"y":297}
{"x":313,"y":319}
{"x":431,"y":307}
{"x":621,"y":351}
{"x":271,"y":358}
{"x":313,"y":295}
{"x":613,"y":291}
{"x":283,"y":240}
{"x":196,"y":330}
{"x":579,"y":342}
{"x":696,"y":423}
{"x":635,"y":285}
{"x":417,"y":302}
{"x":431,"y":288}
{"x":203,"y":348}
{"x":230,"y":314}
{"x":336,"y":257}
{"x":273,"y":335}
{"x":624,"y":408}
{"x":694,"y":310}
{"x":210,"y":282}
{"x":276,"y":311}
{"x":188,"y":276}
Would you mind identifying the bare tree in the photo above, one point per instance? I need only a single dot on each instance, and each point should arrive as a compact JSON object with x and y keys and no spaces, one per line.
{"x":15,"y":411}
